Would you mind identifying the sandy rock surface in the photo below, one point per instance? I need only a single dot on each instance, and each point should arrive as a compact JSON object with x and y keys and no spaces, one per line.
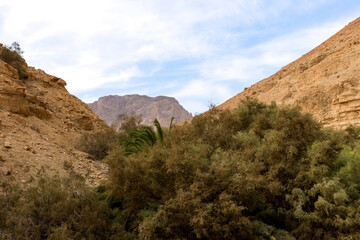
{"x":39,"y":125}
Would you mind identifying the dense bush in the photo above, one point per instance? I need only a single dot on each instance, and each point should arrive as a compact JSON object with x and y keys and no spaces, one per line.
{"x":258,"y":172}
{"x":96,"y":144}
{"x":12,"y":56}
{"x":126,"y":122}
{"x":57,"y":209}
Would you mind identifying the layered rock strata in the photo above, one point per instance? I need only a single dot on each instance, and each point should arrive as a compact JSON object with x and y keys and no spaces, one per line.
{"x":40,"y":123}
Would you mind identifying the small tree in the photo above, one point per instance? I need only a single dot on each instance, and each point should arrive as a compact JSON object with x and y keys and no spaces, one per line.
{"x":211,"y":105}
{"x":15,"y":46}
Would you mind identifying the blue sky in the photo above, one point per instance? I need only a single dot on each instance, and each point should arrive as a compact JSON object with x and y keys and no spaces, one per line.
{"x":198,"y":51}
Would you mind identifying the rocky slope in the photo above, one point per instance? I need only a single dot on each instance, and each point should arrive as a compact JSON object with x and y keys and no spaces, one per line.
{"x":325,"y":81}
{"x":161,"y":108}
{"x":39,"y":123}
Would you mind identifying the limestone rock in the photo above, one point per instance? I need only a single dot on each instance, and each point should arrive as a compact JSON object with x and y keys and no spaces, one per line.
{"x":324,"y":82}
{"x":40,"y":123}
{"x":7,"y":144}
{"x":5,"y":170}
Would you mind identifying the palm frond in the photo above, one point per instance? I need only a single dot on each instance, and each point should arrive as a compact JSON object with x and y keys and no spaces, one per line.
{"x":159,"y":130}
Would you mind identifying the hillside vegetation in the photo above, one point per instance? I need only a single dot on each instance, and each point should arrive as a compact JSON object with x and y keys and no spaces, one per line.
{"x":257,"y":172}
{"x":12,"y":55}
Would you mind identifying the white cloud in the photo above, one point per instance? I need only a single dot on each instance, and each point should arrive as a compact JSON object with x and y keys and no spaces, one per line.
{"x":83,"y":79}
{"x":246,"y":64}
{"x":205,"y":91}
{"x":230,"y":68}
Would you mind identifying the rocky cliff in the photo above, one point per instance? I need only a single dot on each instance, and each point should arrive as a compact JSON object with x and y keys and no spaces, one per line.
{"x":161,"y":108}
{"x":39,"y":122}
{"x":325,"y":81}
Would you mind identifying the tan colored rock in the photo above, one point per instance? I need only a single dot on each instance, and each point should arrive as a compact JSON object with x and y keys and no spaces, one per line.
{"x":7,"y":144}
{"x":5,"y":170}
{"x":40,"y":122}
{"x":324,"y":82}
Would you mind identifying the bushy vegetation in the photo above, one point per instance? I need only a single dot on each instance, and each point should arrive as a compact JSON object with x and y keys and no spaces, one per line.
{"x":12,"y":55}
{"x":258,"y":172}
{"x":58,"y":209}
{"x":126,"y":122}
{"x":97,"y":144}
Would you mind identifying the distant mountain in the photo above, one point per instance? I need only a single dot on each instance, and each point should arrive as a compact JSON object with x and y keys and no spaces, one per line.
{"x":162,"y":108}
{"x":324,"y":82}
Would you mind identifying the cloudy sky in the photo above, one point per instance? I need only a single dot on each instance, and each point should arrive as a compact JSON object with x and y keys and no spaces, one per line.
{"x":198,"y":51}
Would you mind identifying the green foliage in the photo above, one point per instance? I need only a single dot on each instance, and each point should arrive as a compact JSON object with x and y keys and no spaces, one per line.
{"x":214,"y":177}
{"x":96,"y":144}
{"x":159,"y":130}
{"x":171,"y":124}
{"x":257,"y":172}
{"x":352,"y":135}
{"x":143,"y":137}
{"x":15,"y":46}
{"x":128,"y":122}
{"x":13,"y":56}
{"x":139,"y":139}
{"x":57,"y":209}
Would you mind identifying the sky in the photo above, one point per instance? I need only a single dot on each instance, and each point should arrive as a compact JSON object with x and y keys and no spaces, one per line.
{"x":201,"y":52}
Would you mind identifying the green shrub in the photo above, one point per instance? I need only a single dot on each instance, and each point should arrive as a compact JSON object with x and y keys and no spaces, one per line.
{"x":258,"y":172}
{"x":127,"y":122}
{"x":57,"y":209}
{"x":96,"y":144}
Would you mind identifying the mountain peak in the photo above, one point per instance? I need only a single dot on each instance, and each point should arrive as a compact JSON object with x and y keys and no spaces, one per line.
{"x":161,"y":107}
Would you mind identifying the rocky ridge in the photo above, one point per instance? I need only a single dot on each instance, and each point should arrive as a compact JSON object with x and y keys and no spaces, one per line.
{"x":39,"y":123}
{"x":324,"y":82}
{"x":161,"y":107}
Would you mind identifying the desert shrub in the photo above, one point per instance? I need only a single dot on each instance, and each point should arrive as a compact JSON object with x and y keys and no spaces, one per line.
{"x":58,"y":209}
{"x":11,"y":55}
{"x":211,"y":177}
{"x":127,"y":122}
{"x":96,"y":144}
{"x":15,"y":46}
{"x":328,"y":208}
{"x":352,"y":135}
{"x":257,"y":172}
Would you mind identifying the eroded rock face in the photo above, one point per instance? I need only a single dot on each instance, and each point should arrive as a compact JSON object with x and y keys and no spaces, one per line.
{"x":325,"y":81}
{"x":161,"y":108}
{"x":39,"y":124}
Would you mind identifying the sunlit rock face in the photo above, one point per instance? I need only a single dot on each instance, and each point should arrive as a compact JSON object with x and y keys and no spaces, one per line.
{"x":39,"y":125}
{"x":324,"y":82}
